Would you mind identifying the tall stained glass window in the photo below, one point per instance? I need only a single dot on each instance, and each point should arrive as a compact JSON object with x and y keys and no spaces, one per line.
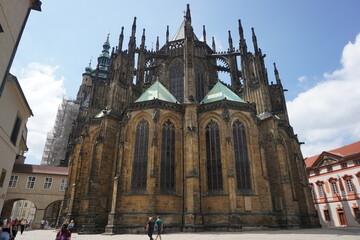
{"x":139,"y":171}
{"x":167,"y":171}
{"x":242,"y":166}
{"x":213,"y":157}
{"x":176,"y":71}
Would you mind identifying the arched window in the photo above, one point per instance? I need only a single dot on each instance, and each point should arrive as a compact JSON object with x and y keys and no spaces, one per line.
{"x":167,"y":171}
{"x":139,"y":171}
{"x":213,"y":157}
{"x":242,"y":166}
{"x":176,"y":74}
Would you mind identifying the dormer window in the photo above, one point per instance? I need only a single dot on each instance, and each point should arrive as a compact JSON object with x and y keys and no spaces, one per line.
{"x":329,"y":169}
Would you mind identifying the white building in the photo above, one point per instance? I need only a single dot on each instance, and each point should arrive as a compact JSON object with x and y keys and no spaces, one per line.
{"x":14,"y":109}
{"x":334,"y":178}
{"x":14,"y":113}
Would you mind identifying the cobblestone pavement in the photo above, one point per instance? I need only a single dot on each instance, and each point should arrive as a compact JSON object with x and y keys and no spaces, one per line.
{"x":303,"y":234}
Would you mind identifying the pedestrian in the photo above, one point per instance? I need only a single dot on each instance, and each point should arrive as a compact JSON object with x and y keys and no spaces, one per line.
{"x":63,"y":233}
{"x":71,"y":226}
{"x":22,"y":225}
{"x":159,"y":226}
{"x":150,"y":227}
{"x":6,"y":233}
{"x":14,"y":227}
{"x":42,"y":223}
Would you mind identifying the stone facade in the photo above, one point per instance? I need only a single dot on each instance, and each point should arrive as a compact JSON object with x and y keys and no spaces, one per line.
{"x":217,"y":158}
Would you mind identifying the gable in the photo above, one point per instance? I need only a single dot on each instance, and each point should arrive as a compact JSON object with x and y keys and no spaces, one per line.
{"x":221,"y":92}
{"x":326,"y":158}
{"x":157,"y":91}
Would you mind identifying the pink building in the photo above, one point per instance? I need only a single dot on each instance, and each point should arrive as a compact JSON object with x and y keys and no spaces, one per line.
{"x":334,"y":178}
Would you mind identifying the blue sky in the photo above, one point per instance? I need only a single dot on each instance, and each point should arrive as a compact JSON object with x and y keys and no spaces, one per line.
{"x":307,"y":40}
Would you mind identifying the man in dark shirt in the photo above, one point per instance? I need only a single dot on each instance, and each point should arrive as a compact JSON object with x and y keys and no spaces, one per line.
{"x":150,"y":227}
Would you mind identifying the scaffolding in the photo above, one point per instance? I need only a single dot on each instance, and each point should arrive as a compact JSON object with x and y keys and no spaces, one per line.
{"x":57,"y":139}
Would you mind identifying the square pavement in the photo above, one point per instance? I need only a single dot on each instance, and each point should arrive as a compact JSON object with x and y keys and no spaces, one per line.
{"x":339,"y":233}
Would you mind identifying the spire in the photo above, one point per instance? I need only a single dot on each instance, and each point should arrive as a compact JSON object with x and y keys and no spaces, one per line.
{"x":142,"y":45}
{"x":88,"y":69}
{"x":256,"y":49}
{"x":167,"y":33}
{"x":187,"y":16}
{"x":121,"y":39}
{"x":213,"y":44}
{"x":104,"y":59}
{"x":157,"y":43}
{"x":132,"y":41}
{"x":243,"y":47}
{"x":278,"y":81}
{"x":133,"y":29}
{"x":204,"y":33}
{"x":231,"y":48}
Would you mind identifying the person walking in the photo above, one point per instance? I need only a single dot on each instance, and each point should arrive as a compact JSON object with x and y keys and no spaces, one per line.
{"x":22,"y":225}
{"x":159,"y":226}
{"x":71,"y":226}
{"x":150,"y":227}
{"x":64,"y":233}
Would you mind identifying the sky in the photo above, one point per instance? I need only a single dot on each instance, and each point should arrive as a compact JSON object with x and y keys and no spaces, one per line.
{"x":315,"y":44}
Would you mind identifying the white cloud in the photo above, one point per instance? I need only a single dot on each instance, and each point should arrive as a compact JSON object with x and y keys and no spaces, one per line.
{"x":44,"y":92}
{"x":302,"y":79}
{"x":327,"y":116}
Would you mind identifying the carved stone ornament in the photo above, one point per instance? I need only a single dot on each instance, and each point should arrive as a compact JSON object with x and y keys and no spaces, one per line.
{"x":225,"y":114}
{"x":156,"y":115}
{"x":126,"y":118}
{"x":231,"y":173}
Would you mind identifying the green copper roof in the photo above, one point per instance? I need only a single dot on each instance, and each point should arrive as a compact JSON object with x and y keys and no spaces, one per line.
{"x":157,"y":91}
{"x":221,"y":92}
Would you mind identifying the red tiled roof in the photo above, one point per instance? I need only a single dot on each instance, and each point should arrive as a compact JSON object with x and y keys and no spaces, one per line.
{"x":342,"y":152}
{"x":28,"y":168}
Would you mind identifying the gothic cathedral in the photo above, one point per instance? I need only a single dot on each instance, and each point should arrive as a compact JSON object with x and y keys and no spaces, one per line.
{"x":158,"y":133}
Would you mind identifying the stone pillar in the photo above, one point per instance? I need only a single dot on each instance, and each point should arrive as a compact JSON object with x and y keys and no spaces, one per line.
{"x":109,"y":229}
{"x":192,"y":195}
{"x":39,"y":215}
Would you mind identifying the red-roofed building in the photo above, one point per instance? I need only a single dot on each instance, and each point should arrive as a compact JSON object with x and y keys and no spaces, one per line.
{"x":334,"y":178}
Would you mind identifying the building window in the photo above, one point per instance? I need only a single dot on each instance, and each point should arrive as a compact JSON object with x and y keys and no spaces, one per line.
{"x":30,"y":182}
{"x":344,"y":165}
{"x":63,"y":184}
{"x":167,"y":174}
{"x":349,"y":185}
{"x":242,"y":165}
{"x":13,"y":181}
{"x":176,"y":72}
{"x":334,"y":188}
{"x":47,"y":183}
{"x":139,"y":171}
{"x":312,"y":191}
{"x":213,"y":157}
{"x":357,"y":162}
{"x":327,"y":216}
{"x":2,"y":177}
{"x":317,"y":172}
{"x":356,"y":213}
{"x":25,"y":204}
{"x":321,"y":191}
{"x":15,"y":131}
{"x":329,"y":169}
